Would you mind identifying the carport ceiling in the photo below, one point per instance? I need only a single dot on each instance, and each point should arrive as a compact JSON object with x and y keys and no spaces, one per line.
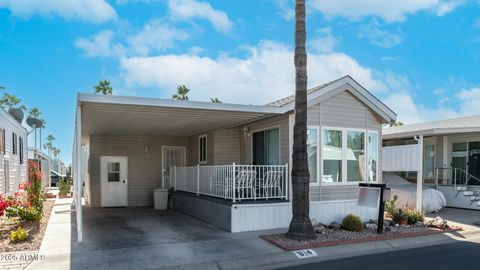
{"x":166,"y":118}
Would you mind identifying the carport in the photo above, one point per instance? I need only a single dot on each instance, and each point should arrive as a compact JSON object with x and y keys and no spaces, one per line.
{"x":111,"y":116}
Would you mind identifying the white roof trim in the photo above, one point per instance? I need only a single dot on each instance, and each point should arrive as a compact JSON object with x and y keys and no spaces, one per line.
{"x":429,"y":132}
{"x":157,"y":102}
{"x":373,"y":102}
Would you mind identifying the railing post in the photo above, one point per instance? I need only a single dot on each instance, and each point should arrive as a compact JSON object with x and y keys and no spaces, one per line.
{"x":455,"y":178}
{"x":436,"y":178}
{"x":198,"y":179}
{"x":175,"y":177}
{"x":233,"y":182}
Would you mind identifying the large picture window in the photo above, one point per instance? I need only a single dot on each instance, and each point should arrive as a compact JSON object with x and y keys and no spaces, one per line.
{"x":202,"y":149}
{"x":266,"y":147}
{"x":349,"y":155}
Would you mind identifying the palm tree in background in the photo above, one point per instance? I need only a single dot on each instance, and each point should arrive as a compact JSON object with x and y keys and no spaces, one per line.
{"x":395,"y":123}
{"x":103,"y":87}
{"x":300,"y":226}
{"x":34,"y":113}
{"x":182,"y":93}
{"x":215,"y":100}
{"x":55,"y":152}
{"x":10,"y":101}
{"x":49,"y":145}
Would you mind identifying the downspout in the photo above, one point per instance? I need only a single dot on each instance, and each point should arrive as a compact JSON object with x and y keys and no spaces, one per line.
{"x":419,"y":199}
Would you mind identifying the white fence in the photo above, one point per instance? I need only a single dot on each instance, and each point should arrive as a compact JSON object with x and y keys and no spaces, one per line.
{"x":233,"y":182}
{"x":402,"y":158}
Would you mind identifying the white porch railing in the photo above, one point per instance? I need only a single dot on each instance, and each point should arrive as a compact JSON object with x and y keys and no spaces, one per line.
{"x":233,"y":182}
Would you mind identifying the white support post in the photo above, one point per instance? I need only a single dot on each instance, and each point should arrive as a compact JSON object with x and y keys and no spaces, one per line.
{"x":79,"y":174}
{"x":198,"y":179}
{"x":287,"y":181}
{"x":233,"y":183}
{"x":175,"y":177}
{"x":419,"y":201}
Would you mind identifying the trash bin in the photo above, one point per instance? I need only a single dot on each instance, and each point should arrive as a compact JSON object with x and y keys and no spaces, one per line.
{"x":160,"y":198}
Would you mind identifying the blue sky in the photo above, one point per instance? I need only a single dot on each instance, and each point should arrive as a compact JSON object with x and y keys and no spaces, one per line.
{"x":420,"y":57}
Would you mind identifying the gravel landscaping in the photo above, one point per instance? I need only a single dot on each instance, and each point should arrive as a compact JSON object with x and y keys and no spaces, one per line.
{"x":35,"y":230}
{"x":333,"y":235}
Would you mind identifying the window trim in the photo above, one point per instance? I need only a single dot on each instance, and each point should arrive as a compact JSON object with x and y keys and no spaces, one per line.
{"x":14,"y":143}
{"x":319,"y":156}
{"x":200,"y":137}
{"x":3,"y":150}
{"x":20,"y":145}
{"x":345,"y":130}
{"x":378,"y":154}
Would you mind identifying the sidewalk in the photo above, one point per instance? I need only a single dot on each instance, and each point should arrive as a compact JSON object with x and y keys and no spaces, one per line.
{"x":56,"y":244}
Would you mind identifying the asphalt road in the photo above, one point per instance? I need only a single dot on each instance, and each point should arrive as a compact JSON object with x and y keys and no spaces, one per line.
{"x":462,"y":255}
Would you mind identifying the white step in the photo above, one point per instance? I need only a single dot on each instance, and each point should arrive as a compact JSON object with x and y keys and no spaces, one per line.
{"x":478,"y":203}
{"x":474,"y":198}
{"x":461,"y":188}
{"x":468,"y":193}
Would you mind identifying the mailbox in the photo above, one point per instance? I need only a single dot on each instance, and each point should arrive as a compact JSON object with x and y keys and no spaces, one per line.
{"x":373,"y":195}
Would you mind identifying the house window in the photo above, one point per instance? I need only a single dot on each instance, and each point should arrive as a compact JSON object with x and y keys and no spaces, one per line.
{"x":372,"y":156}
{"x":14,"y":143}
{"x":113,"y":171}
{"x":332,"y":155}
{"x":202,"y":149}
{"x":2,"y":141}
{"x":312,"y":151}
{"x":20,"y":143}
{"x":266,"y":147}
{"x":429,"y":162}
{"x":349,"y":155}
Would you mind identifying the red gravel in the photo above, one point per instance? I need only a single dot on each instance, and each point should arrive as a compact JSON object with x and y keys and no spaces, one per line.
{"x":342,"y":237}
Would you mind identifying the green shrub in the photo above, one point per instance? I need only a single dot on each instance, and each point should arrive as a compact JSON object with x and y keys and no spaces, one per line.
{"x":25,"y":214}
{"x":18,"y":235}
{"x":64,"y":188}
{"x":352,"y":223}
{"x":413,"y":215}
{"x":390,"y":206}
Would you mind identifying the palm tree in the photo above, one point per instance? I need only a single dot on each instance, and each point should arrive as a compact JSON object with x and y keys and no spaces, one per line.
{"x":49,"y":145}
{"x":55,"y":152}
{"x":215,"y":100}
{"x":300,"y":226}
{"x":10,"y":102}
{"x":182,"y":93}
{"x":395,"y":123}
{"x":103,"y":87}
{"x":34,"y":113}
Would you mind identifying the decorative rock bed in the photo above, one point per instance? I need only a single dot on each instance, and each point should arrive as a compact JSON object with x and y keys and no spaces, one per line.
{"x":331,"y":235}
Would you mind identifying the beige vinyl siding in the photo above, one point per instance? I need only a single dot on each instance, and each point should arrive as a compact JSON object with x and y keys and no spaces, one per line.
{"x":280,"y":122}
{"x":343,"y":110}
{"x":17,"y":172}
{"x":144,"y":168}
{"x":227,"y":146}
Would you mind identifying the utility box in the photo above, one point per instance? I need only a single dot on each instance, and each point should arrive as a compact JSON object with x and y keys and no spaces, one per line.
{"x":160,"y":198}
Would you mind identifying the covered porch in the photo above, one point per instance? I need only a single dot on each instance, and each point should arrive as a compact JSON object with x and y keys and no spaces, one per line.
{"x":126,"y":147}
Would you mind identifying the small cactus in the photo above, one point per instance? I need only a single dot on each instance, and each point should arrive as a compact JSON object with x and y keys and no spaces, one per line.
{"x":352,"y":223}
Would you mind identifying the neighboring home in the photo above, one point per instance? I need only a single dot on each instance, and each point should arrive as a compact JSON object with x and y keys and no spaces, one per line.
{"x":43,"y":161}
{"x":450,"y":151}
{"x":230,"y":164}
{"x":58,"y":171}
{"x":13,"y":153}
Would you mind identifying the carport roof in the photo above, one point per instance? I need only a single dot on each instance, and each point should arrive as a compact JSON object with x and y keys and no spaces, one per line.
{"x":124,"y":115}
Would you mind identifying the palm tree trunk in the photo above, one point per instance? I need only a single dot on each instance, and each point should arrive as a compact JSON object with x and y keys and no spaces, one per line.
{"x":300,"y":227}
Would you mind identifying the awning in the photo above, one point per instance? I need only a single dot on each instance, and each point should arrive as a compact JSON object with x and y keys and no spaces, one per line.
{"x":58,"y":174}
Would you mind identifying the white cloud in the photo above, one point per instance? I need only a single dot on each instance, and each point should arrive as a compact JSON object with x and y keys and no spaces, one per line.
{"x":190,"y":9}
{"x":286,"y":9}
{"x":100,"y":45}
{"x":96,"y":11}
{"x":390,"y":11}
{"x":324,"y":42}
{"x":448,"y":6}
{"x":155,"y":36}
{"x":469,"y":100}
{"x":266,"y":74}
{"x":379,"y":37}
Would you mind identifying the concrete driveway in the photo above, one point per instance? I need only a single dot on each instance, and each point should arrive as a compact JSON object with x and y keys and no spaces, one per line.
{"x":142,"y":238}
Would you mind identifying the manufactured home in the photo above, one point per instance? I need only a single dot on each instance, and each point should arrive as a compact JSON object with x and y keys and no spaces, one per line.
{"x":229,"y":164}
{"x":44,"y":164}
{"x":444,"y":155}
{"x":13,"y":153}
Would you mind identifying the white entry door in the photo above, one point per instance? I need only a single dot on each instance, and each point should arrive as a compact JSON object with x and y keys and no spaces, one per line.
{"x":114,"y":182}
{"x":171,"y":156}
